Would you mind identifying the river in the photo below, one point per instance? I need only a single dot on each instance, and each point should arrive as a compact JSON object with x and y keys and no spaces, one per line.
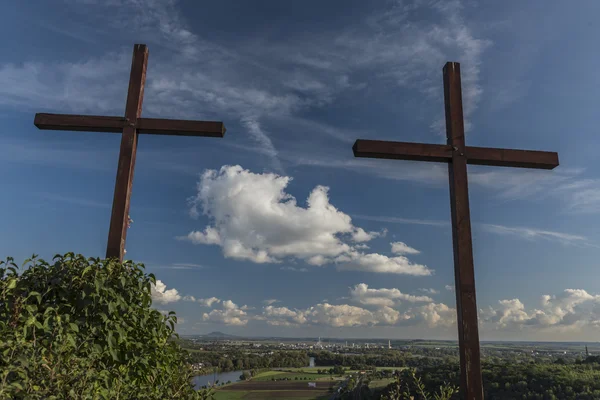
{"x":208,"y":380}
{"x":223,"y":377}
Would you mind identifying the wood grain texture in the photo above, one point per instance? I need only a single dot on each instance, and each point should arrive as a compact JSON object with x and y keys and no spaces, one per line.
{"x":80,"y":123}
{"x":117,"y":233}
{"x":464,"y":271}
{"x":402,"y":150}
{"x":159,"y":126}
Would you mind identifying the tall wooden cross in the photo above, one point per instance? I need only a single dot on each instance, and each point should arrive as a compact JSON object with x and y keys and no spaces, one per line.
{"x":458,"y":155}
{"x":130,"y":126}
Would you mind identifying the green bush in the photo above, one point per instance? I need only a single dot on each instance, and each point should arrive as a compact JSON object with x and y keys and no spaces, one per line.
{"x":83,"y":329}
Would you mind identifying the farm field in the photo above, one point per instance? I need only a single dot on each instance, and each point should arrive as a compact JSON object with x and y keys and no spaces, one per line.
{"x":298,"y":390}
{"x":292,"y":376}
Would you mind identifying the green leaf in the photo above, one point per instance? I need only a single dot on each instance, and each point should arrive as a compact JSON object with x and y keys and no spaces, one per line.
{"x":74,"y":327}
{"x":12,"y":283}
{"x":36,"y":295}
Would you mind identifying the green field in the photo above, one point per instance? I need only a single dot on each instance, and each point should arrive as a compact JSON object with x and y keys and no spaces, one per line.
{"x":298,"y":390}
{"x":292,"y":374}
{"x":380,"y":383}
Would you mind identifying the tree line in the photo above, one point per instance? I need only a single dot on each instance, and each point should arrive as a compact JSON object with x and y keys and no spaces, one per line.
{"x":234,"y":360}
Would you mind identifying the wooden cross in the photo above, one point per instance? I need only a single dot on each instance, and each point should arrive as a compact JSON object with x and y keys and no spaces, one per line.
{"x":130,"y":126}
{"x":457,"y":155}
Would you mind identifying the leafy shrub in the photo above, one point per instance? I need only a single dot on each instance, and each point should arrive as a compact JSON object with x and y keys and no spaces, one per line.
{"x":407,"y":386}
{"x":83,"y":329}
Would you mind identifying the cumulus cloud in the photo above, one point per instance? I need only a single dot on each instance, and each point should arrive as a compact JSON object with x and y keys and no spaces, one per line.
{"x":436,"y":314}
{"x":570,"y":310}
{"x":209,"y":302}
{"x":229,"y":314}
{"x":374,"y":262}
{"x":345,"y":315}
{"x":360,"y":235}
{"x":283,"y":316}
{"x":209,"y":236}
{"x":403,"y":248}
{"x":377,"y":307}
{"x":205,"y":302}
{"x":253,"y":218}
{"x":383,"y":297}
{"x":161,"y":295}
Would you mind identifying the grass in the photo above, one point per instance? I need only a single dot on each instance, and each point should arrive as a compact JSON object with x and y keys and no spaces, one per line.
{"x":267,"y":373}
{"x":380,"y":383}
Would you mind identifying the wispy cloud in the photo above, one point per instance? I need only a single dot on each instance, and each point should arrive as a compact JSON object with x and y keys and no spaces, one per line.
{"x":396,"y":220}
{"x":533,"y":234}
{"x":254,"y":80}
{"x":518,"y":231}
{"x":77,"y":201}
{"x":187,"y":266}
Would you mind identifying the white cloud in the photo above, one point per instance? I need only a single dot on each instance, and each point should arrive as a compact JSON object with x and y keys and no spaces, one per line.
{"x":403,"y":248}
{"x":345,"y":315}
{"x":436,"y":314}
{"x":373,"y":262}
{"x":360,"y":235}
{"x":270,"y":301}
{"x":283,"y":316}
{"x":229,"y":314}
{"x":209,"y":236}
{"x":381,"y":309}
{"x":161,"y":295}
{"x":383,"y":297}
{"x":450,"y":288}
{"x":209,"y":301}
{"x":571,"y":310}
{"x":204,"y":302}
{"x":430,"y":291}
{"x":255,"y":219}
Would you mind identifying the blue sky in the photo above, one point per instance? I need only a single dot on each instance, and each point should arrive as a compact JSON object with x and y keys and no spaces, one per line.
{"x":277,"y":229}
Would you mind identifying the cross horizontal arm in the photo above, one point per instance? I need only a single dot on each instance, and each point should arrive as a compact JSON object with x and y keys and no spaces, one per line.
{"x":157,"y":126}
{"x":152,"y":126}
{"x":402,"y":150}
{"x":87,"y":123}
{"x":443,"y":153}
{"x":512,"y":158}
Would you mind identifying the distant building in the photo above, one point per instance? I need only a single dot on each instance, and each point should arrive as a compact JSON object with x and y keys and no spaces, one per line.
{"x":389,"y":344}
{"x":312,"y":384}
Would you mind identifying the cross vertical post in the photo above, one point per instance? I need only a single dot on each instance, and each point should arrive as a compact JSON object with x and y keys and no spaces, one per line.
{"x":130,"y":127}
{"x":120,"y":210}
{"x":458,"y":155}
{"x":464,"y":272}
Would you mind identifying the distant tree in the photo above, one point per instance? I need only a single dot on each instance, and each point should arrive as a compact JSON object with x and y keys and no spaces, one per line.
{"x":246,"y":375}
